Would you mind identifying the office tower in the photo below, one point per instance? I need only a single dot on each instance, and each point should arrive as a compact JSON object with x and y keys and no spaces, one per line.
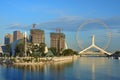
{"x":37,"y":36}
{"x":57,"y":41}
{"x":8,"y":39}
{"x":17,"y":35}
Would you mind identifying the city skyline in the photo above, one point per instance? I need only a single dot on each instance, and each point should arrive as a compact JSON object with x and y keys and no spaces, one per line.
{"x":67,"y":15}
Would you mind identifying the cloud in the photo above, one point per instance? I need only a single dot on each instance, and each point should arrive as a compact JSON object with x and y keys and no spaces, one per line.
{"x":66,"y":23}
{"x":17,"y":26}
{"x":115,"y":33}
{"x":113,"y":22}
{"x":70,"y":23}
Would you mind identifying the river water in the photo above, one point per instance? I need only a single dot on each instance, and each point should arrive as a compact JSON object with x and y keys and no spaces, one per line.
{"x":84,"y":68}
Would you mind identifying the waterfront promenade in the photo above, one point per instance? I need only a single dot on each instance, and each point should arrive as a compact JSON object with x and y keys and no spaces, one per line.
{"x":34,"y":61}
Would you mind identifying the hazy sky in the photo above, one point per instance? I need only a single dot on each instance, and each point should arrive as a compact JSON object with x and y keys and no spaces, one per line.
{"x":65,"y":14}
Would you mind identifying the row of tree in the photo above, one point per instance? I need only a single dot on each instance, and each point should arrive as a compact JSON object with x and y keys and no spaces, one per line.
{"x":37,"y":50}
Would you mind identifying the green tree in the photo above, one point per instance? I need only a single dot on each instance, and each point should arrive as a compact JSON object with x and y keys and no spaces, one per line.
{"x":116,"y":54}
{"x":42,"y":49}
{"x":8,"y":47}
{"x":67,"y":52}
{"x":19,"y":49}
{"x":37,"y":50}
{"x":53,"y":50}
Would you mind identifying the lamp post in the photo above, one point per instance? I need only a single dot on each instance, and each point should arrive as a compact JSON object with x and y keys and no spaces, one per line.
{"x":25,"y":44}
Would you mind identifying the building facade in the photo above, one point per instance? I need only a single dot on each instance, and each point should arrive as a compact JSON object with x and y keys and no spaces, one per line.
{"x":37,"y":36}
{"x":57,"y":41}
{"x":8,"y":39}
{"x":17,"y":35}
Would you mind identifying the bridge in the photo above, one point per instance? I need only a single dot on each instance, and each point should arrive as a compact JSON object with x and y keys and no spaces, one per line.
{"x":94,"y":46}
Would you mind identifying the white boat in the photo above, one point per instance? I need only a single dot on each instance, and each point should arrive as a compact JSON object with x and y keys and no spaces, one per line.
{"x":118,"y":58}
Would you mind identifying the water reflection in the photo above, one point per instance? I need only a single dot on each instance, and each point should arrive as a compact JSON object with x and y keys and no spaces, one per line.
{"x":81,"y":69}
{"x":93,"y":72}
{"x":56,"y":66}
{"x":30,"y":68}
{"x":48,"y":71}
{"x":59,"y":70}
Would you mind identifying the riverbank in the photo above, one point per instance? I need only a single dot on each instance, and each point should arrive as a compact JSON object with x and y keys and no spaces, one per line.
{"x":35,"y":61}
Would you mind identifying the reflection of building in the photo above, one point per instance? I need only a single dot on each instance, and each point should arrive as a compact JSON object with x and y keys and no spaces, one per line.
{"x":8,"y":39}
{"x":37,"y":36}
{"x":57,"y":41}
{"x":17,"y":35}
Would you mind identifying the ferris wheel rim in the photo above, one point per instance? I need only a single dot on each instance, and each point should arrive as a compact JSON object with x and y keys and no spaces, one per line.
{"x":98,"y":21}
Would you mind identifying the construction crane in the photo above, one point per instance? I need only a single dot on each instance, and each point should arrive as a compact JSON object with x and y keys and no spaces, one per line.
{"x":58,"y":30}
{"x":33,"y":26}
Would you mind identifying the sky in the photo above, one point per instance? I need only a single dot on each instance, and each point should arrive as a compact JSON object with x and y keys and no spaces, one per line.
{"x":91,"y":16}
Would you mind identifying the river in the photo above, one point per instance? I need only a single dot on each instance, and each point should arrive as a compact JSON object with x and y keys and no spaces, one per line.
{"x":84,"y":68}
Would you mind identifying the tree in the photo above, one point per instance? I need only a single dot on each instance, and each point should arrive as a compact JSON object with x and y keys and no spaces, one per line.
{"x":42,"y":49}
{"x":36,"y":50}
{"x":75,"y":52}
{"x":8,"y":49}
{"x":116,"y":54}
{"x":53,"y":50}
{"x":68,"y":52}
{"x":19,"y":49}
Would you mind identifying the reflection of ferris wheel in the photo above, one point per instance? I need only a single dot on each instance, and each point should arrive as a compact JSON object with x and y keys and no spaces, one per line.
{"x":93,"y":21}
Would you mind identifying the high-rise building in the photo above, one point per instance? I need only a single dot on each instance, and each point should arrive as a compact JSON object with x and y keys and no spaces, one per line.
{"x":37,"y":36}
{"x":57,"y":41}
{"x":17,"y":35}
{"x":8,"y":39}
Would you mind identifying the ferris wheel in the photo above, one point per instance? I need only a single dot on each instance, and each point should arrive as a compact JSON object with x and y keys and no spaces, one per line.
{"x":100,"y":30}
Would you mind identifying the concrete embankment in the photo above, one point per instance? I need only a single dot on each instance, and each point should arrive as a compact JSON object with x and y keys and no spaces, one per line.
{"x":64,"y":58}
{"x":39,"y":61}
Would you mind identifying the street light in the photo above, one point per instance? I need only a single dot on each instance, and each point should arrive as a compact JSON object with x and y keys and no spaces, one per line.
{"x":25,"y":35}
